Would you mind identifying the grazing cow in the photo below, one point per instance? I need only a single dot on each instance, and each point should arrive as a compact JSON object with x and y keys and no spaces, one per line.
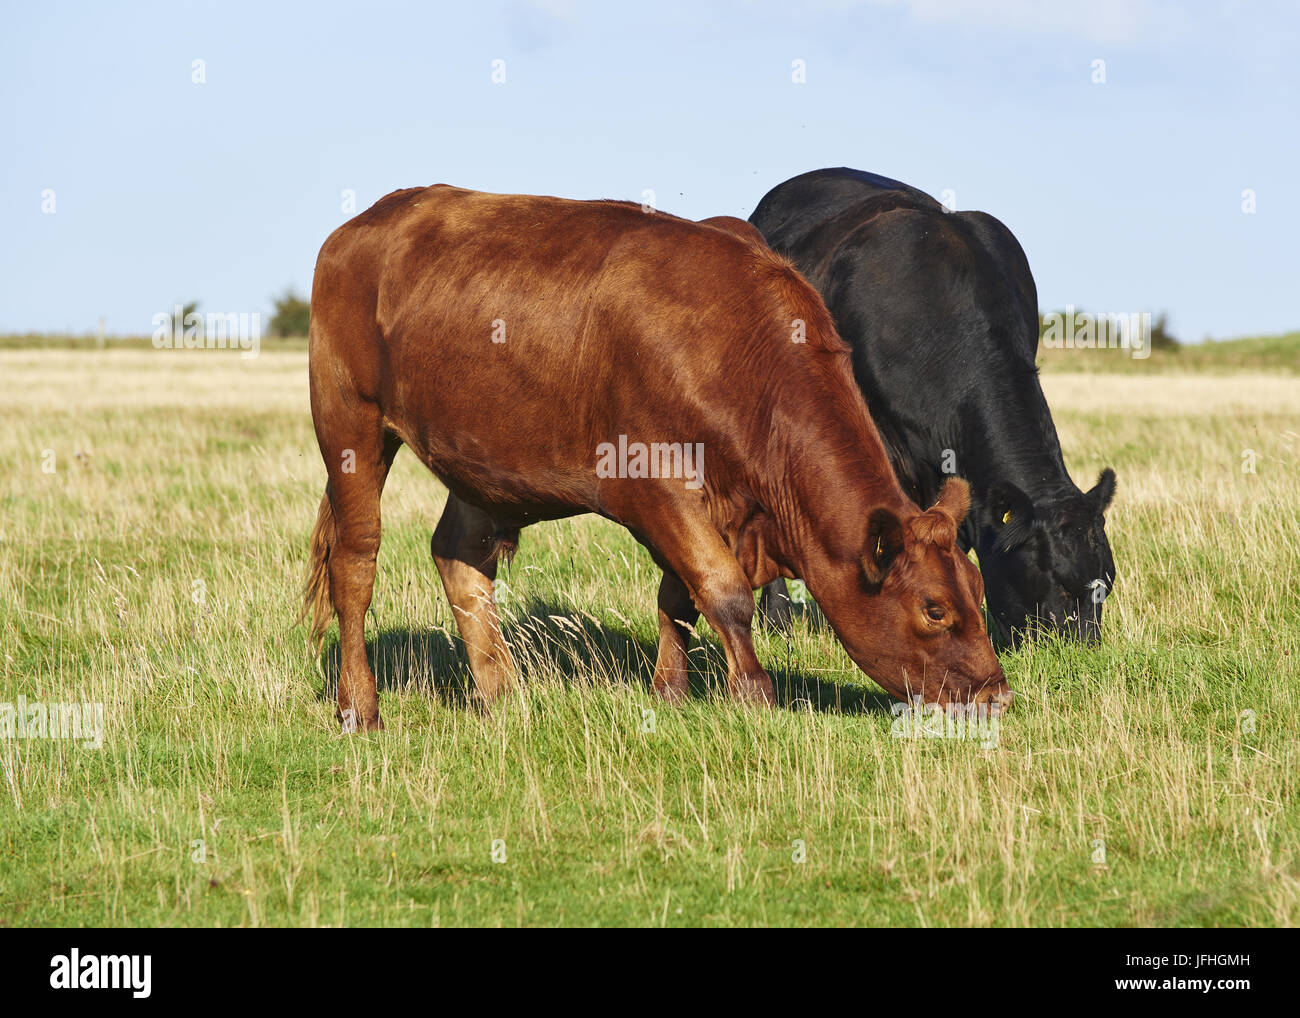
{"x":941,"y":312}
{"x":546,"y":357}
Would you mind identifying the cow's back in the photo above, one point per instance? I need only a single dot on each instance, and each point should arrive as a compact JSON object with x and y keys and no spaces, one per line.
{"x":807,"y":202}
{"x":510,"y":335}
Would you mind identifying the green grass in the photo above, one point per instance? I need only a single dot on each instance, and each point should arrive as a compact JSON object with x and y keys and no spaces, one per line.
{"x":157,"y":570}
{"x":1278,"y":354}
{"x":89,"y":341}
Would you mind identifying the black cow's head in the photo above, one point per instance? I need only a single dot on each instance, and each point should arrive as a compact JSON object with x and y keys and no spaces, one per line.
{"x":1047,"y":566}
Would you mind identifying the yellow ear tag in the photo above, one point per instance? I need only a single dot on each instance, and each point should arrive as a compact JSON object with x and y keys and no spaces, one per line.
{"x":1006,"y":516}
{"x":880,"y":543}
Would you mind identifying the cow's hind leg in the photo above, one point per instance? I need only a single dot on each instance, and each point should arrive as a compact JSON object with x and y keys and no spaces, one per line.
{"x":358,"y":453}
{"x":677,"y":614}
{"x":465,"y":547}
{"x":774,"y":606}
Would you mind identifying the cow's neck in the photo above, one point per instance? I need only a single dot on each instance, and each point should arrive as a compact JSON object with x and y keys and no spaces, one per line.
{"x":827,"y":477}
{"x":1031,"y":461}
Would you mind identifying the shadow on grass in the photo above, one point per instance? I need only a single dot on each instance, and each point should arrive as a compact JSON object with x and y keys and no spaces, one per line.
{"x":546,"y":638}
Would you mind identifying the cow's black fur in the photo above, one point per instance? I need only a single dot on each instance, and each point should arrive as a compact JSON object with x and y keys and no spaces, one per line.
{"x":941,"y":311}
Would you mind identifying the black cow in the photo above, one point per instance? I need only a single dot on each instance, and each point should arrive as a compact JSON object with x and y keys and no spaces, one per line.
{"x":942,"y":314}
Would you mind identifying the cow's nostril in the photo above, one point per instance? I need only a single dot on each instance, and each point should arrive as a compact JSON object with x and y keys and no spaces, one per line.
{"x":997,"y":694}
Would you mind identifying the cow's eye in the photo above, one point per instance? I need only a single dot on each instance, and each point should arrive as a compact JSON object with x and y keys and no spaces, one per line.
{"x":935,"y":612}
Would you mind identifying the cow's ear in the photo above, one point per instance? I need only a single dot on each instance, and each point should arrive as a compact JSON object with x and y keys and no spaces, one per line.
{"x":884,"y":542}
{"x":954,"y":499}
{"x":1104,"y":491}
{"x":1008,"y":505}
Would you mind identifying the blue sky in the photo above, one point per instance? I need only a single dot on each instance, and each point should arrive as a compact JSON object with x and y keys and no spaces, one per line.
{"x":1127,"y":194}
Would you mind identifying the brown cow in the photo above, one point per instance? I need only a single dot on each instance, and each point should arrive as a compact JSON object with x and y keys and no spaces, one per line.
{"x":546,"y":357}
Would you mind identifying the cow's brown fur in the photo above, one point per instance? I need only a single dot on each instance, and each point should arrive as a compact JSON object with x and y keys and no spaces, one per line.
{"x":618,"y":322}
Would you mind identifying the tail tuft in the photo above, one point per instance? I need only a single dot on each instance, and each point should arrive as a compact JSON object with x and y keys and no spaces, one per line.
{"x":504,"y":546}
{"x":316,"y":604}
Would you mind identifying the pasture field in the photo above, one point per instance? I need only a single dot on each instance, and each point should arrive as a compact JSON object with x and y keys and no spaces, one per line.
{"x":154,"y":514}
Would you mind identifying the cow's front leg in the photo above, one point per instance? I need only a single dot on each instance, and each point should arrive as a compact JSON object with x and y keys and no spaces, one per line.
{"x":718,"y":587}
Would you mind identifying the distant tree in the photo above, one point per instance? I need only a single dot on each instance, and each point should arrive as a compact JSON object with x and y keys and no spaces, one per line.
{"x":192,"y":308}
{"x":1160,"y":337}
{"x":292,"y":315}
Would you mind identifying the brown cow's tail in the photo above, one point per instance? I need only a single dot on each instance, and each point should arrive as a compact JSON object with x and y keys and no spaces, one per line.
{"x":316,"y":604}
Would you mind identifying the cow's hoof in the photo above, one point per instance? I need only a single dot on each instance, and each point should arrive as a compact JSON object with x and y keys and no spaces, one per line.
{"x":755,"y":694}
{"x":672,"y":693}
{"x":350,"y":724}
{"x":495,"y":706}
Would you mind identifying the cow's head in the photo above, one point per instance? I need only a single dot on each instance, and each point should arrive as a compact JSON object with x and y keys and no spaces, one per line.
{"x":1047,"y":565}
{"x":921,"y":632}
